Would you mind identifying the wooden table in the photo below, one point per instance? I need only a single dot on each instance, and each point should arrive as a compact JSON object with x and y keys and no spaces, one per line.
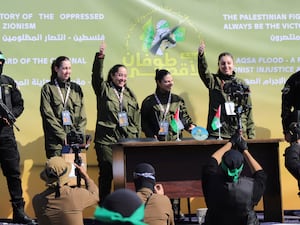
{"x":178,"y":166}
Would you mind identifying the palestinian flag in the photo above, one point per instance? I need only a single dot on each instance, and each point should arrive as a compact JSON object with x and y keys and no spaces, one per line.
{"x":216,"y":122}
{"x":176,"y":123}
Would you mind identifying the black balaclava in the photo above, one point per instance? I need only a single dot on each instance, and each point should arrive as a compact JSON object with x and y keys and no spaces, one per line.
{"x":144,"y":176}
{"x":2,"y":59}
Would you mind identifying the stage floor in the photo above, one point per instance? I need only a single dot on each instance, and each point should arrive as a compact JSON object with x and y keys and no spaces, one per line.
{"x":291,"y":217}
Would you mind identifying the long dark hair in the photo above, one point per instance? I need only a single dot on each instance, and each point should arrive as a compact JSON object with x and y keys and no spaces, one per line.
{"x":113,"y":70}
{"x":160,"y":74}
{"x":57,"y":63}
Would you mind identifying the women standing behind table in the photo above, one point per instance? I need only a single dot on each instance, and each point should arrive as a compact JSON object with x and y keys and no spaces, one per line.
{"x":217,"y":97}
{"x":62,"y":108}
{"x":159,"y":109}
{"x":118,"y":116}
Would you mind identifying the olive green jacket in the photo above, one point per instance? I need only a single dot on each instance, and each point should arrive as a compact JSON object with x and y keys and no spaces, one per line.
{"x":108,"y":130}
{"x":217,"y":96}
{"x":51,"y":108}
{"x":151,"y":115}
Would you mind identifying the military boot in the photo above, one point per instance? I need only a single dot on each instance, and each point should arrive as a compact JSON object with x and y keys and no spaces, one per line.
{"x":19,"y":216}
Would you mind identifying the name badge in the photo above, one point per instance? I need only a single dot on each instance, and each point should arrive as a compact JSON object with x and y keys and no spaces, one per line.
{"x":123,"y":119}
{"x":66,"y":149}
{"x":163,"y":128}
{"x":66,"y":117}
{"x":229,"y":107}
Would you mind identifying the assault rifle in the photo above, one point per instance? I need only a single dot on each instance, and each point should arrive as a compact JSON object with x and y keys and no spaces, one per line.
{"x":166,"y":36}
{"x":6,"y":113}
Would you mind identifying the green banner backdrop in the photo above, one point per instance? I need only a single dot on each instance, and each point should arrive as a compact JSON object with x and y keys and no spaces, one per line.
{"x":263,"y":36}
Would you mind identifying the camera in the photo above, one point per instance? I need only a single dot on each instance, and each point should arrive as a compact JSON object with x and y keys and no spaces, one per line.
{"x":77,"y":141}
{"x":75,"y":137}
{"x":238,"y":93}
{"x":235,"y":89}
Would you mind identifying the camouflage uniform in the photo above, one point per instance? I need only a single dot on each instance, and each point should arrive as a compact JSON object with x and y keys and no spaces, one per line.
{"x":217,"y":96}
{"x":108,"y":130}
{"x":51,"y":108}
{"x":151,"y":115}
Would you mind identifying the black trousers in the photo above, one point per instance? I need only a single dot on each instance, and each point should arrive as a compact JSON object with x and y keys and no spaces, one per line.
{"x":10,"y":165}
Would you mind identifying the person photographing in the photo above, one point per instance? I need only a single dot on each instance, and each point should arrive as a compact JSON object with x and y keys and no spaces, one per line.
{"x":230,"y":197}
{"x":60,"y":203}
{"x":158,"y":207}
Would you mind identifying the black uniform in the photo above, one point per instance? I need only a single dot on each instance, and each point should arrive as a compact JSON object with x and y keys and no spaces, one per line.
{"x":292,"y":161}
{"x":290,"y":101}
{"x":231,"y":203}
{"x":9,"y":153}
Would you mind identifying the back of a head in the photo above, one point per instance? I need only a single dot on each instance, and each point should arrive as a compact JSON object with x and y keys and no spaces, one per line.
{"x":56,"y":173}
{"x":232,"y":164}
{"x":144,"y":176}
{"x":123,"y":206}
{"x":57,"y":170}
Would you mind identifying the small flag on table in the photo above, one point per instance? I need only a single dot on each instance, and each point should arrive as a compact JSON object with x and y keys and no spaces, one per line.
{"x":216,"y":122}
{"x":176,"y":123}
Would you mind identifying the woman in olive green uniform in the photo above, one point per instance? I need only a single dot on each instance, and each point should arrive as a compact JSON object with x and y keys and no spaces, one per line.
{"x":62,"y":107}
{"x":118,"y":116}
{"x":159,"y":111}
{"x":218,"y":96}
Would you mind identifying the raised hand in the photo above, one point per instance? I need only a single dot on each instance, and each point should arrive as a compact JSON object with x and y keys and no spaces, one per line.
{"x":102,"y":49}
{"x":239,"y":142}
{"x":201,"y":48}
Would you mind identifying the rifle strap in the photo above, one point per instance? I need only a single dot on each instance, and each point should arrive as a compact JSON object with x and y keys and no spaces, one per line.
{"x":4,"y":83}
{"x":1,"y":101}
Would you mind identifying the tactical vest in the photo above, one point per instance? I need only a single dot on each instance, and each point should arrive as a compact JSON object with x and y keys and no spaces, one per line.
{"x":236,"y":206}
{"x":240,"y":193}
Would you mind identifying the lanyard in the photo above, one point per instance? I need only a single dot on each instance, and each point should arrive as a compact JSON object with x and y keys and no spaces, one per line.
{"x":119,"y":96}
{"x":64,"y":101}
{"x":165,"y":111}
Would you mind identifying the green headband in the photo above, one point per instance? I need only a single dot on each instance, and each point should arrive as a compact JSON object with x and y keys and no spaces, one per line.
{"x":235,"y":173}
{"x":108,"y":216}
{"x":2,"y":57}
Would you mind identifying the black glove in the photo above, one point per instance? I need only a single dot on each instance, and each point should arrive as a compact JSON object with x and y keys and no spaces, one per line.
{"x":238,"y":141}
{"x":234,"y":138}
{"x":294,"y":131}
